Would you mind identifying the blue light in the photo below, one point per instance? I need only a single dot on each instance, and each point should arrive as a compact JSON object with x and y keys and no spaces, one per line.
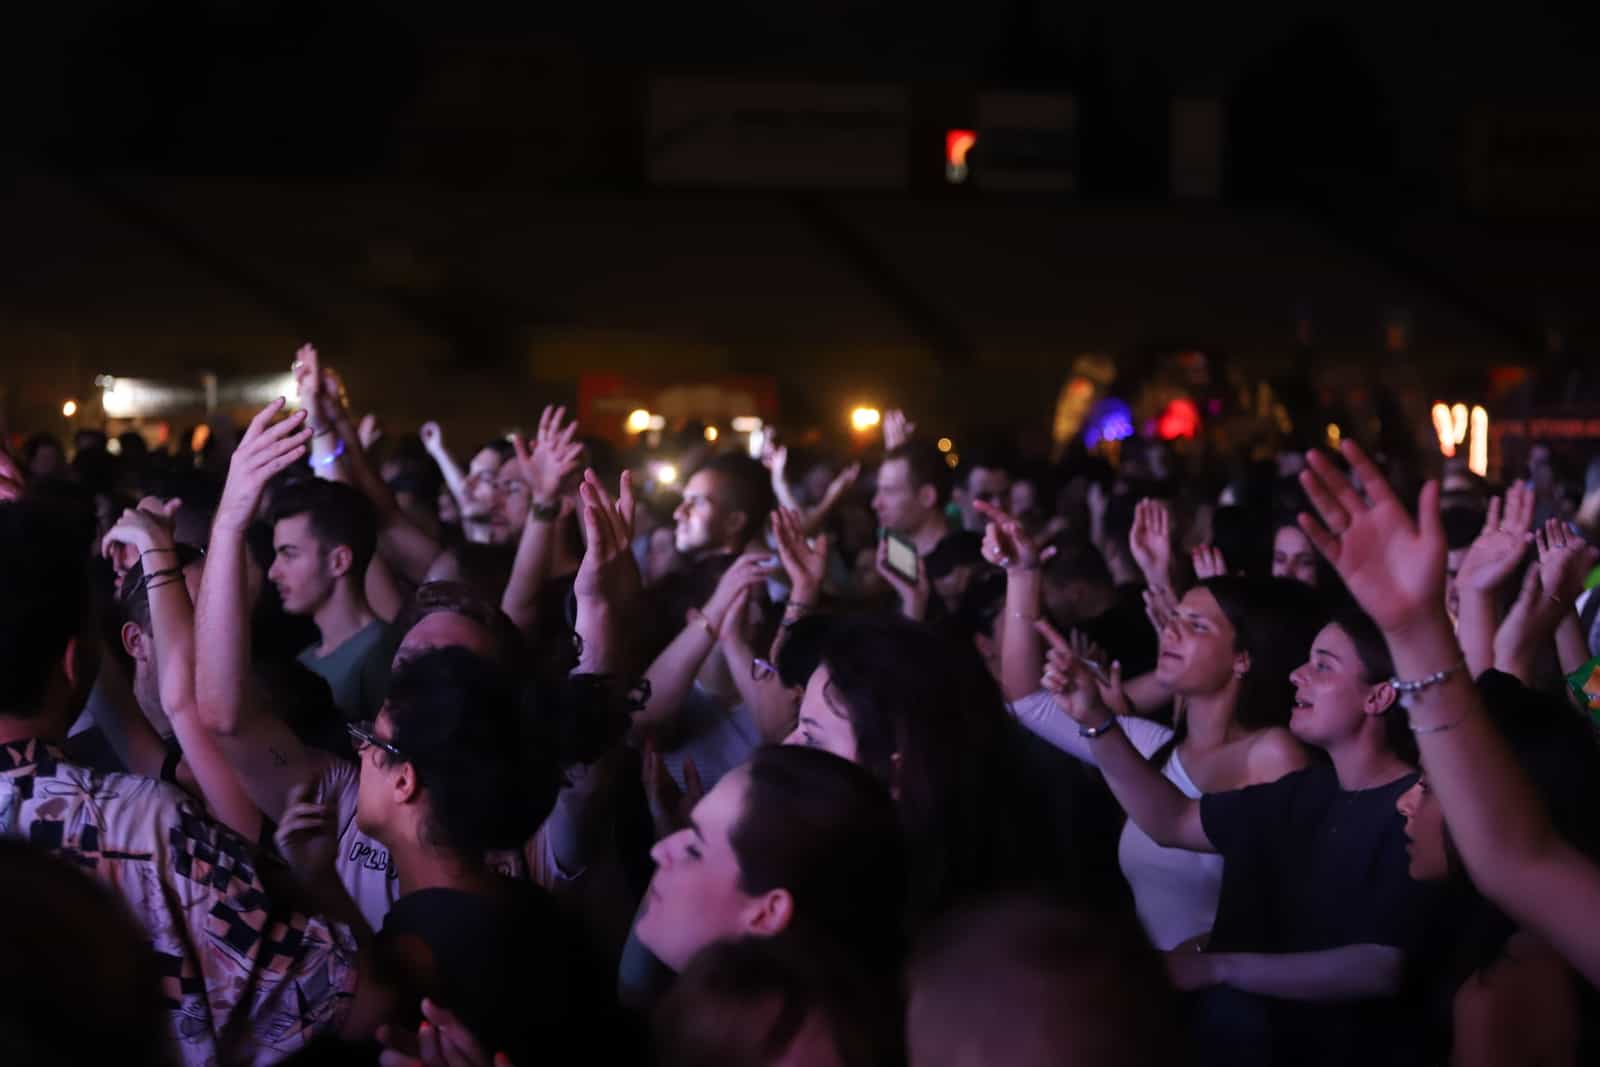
{"x":1109,"y":420}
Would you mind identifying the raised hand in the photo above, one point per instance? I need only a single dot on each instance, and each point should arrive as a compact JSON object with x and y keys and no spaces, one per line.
{"x":432,"y":437}
{"x":553,"y":457}
{"x":669,"y":805}
{"x":842,"y":483}
{"x":1006,"y":544}
{"x":1159,"y":607}
{"x":307,"y":838}
{"x":745,"y":573}
{"x":267,"y":448}
{"x":806,"y":562}
{"x":139,"y":530}
{"x":1565,"y":561}
{"x":1394,"y":567}
{"x":608,"y":571}
{"x":914,"y":596}
{"x":897,"y":429}
{"x":370,"y":432}
{"x":1500,"y":546}
{"x":1209,"y":562}
{"x":1070,"y":681}
{"x":1150,"y":541}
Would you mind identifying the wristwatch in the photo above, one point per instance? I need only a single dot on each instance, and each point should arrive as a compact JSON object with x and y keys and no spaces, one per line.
{"x":1098,"y":731}
{"x":546,"y":512}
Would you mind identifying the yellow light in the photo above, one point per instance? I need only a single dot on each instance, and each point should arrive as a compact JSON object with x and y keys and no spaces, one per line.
{"x":666,"y":474}
{"x":711,"y":433}
{"x":863,"y":419}
{"x":638,"y":420}
{"x":70,"y":408}
{"x":952,"y":459}
{"x":945,"y":444}
{"x":746,"y":424}
{"x":1334,"y":434}
{"x":1444,"y":428}
{"x":1478,"y":449}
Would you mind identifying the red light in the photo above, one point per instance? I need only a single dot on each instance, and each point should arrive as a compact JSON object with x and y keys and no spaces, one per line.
{"x":1180,"y":419}
{"x":957,"y":143}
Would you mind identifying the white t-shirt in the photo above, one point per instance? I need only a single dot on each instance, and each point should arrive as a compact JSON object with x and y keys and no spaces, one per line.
{"x":1174,"y":890}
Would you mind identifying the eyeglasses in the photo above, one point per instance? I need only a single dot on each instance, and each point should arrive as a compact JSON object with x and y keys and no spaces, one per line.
{"x":363,"y":735}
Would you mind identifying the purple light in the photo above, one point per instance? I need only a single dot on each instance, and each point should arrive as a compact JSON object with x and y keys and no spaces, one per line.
{"x":1109,"y":420}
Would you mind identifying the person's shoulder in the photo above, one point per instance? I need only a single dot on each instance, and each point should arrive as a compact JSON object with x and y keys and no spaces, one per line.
{"x":1273,"y":754}
{"x":1527,"y":991}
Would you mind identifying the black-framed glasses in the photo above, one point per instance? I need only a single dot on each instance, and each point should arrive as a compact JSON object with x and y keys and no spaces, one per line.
{"x":362,"y":733}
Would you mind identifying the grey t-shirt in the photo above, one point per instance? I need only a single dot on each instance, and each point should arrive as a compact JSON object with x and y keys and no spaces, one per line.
{"x":357,"y":671}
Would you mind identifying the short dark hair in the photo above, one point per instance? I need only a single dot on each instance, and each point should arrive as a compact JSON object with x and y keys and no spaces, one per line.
{"x":925,"y":465}
{"x":458,"y":719}
{"x":826,"y":830}
{"x":1275,"y":620}
{"x":1076,"y":560}
{"x":748,"y":486}
{"x":44,"y":599}
{"x":991,"y":457}
{"x":339,"y":515}
{"x":1378,"y":666}
{"x":460,"y":598}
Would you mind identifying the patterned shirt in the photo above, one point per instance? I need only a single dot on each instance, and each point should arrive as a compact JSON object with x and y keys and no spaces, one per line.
{"x":245,"y":981}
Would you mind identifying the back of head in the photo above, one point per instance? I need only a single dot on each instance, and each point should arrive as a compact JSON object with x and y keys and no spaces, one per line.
{"x":747,"y":487}
{"x":458,"y":719}
{"x":1275,"y":620}
{"x":1076,"y":560}
{"x":43,"y":600}
{"x":764,"y":1001}
{"x":1025,"y":983}
{"x":929,"y":721}
{"x":80,"y":982}
{"x":460,"y":598}
{"x":338,"y":516}
{"x":827,"y":831}
{"x":925,"y":465}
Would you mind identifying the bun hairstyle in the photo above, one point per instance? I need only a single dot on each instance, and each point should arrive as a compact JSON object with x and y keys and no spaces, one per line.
{"x":460,"y":720}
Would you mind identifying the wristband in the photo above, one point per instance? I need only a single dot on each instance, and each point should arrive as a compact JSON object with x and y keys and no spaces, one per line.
{"x":545,"y":512}
{"x":1104,"y":728}
{"x":331,"y":458}
{"x":1407,"y":690}
{"x":153,"y":551}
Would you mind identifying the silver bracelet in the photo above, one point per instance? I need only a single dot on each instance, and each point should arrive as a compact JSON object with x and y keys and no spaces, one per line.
{"x":1441,"y":728}
{"x":1406,"y":690}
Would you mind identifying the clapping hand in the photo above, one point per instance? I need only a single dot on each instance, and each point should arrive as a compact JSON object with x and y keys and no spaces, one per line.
{"x":1006,"y":544}
{"x":805,"y":561}
{"x":608,"y":572}
{"x":897,"y":429}
{"x":1150,"y":542}
{"x":1565,"y":561}
{"x":1499,"y":548}
{"x":1209,"y":562}
{"x":554,"y":457}
{"x":267,"y":448}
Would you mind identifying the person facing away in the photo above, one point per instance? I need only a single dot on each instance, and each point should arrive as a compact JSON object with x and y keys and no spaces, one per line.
{"x":324,"y":535}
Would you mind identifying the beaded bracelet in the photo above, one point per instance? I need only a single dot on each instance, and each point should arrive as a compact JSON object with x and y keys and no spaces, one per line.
{"x":1407,"y":690}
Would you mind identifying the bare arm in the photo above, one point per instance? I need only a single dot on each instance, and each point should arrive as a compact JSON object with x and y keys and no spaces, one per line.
{"x":552,"y":459}
{"x":1350,"y":972}
{"x":455,"y":479}
{"x":1489,"y":563}
{"x":1006,"y":544}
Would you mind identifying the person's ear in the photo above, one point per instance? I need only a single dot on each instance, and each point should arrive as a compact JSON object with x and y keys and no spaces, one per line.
{"x":133,"y":642}
{"x":1241,"y":664}
{"x":407,"y":785}
{"x":340,"y":560}
{"x":770,"y":914}
{"x":1380,"y":698}
{"x":77,"y":662}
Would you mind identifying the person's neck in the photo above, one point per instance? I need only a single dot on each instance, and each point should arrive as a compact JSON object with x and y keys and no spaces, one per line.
{"x":420,"y":867}
{"x":344,"y":615}
{"x":1209,"y":721}
{"x":928,"y":535}
{"x":1365,"y":761}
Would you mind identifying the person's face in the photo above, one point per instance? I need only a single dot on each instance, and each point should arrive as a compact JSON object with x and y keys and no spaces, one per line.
{"x":1452,"y":592}
{"x":704,"y":523}
{"x":512,"y":503}
{"x":694,"y":898}
{"x":300,"y":568}
{"x":449,"y":514}
{"x":953,"y":585}
{"x":988,"y":485}
{"x":1024,"y":498}
{"x":1331,"y":698}
{"x":1293,"y":556}
{"x":376,"y":801}
{"x":47,"y":462}
{"x":445,"y":629}
{"x":900,"y":507}
{"x":1424,"y":833}
{"x":482,"y":493}
{"x":1197,"y":647}
{"x":823,"y":723}
{"x":661,"y":553}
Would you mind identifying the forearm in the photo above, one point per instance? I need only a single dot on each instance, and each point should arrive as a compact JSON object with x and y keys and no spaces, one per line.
{"x":1352,"y":972}
{"x":454,"y":478}
{"x":672,"y":674}
{"x":600,"y":639}
{"x":222,"y":634}
{"x":1475,"y":629}
{"x":1572,"y":649}
{"x":520,"y":600}
{"x":1155,"y":805}
{"x":1021,"y":647}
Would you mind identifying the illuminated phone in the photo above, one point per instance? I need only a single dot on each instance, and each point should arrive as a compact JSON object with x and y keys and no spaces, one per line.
{"x":902,"y":556}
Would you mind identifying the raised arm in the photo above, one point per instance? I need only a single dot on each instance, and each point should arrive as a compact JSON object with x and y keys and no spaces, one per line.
{"x":1489,"y":563}
{"x":1150,"y":542}
{"x":1565,"y":560}
{"x":263,"y":752}
{"x":202,"y":769}
{"x":455,"y":479}
{"x":608,"y":583}
{"x":1006,"y":544}
{"x":1154,"y":804}
{"x":1394,"y":567}
{"x":553,"y":458}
